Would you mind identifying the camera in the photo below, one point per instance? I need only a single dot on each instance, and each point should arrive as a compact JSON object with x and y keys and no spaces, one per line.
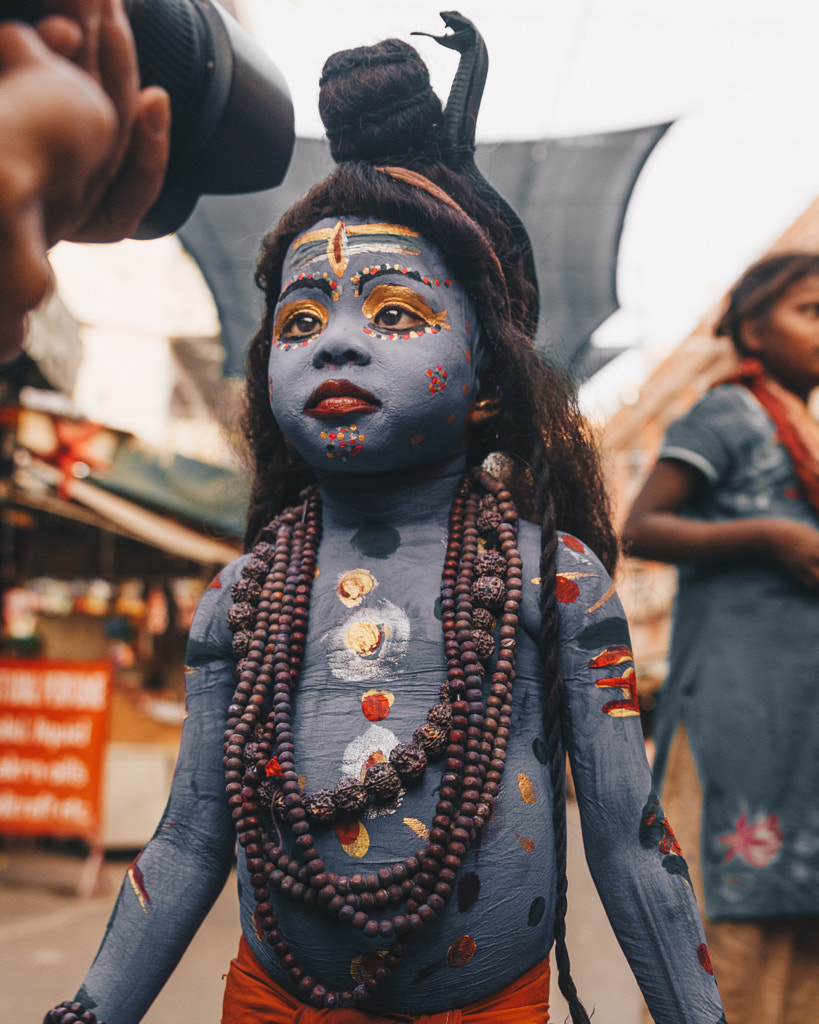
{"x":232,"y":126}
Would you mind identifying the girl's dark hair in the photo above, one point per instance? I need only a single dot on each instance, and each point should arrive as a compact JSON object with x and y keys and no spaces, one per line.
{"x":379,"y":110}
{"x":759,"y":289}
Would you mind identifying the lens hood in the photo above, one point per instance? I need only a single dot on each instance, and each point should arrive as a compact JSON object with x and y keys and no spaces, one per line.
{"x":232,"y":126}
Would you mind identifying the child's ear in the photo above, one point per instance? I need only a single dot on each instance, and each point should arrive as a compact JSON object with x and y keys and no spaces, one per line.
{"x":482,"y":410}
{"x":750,"y":337}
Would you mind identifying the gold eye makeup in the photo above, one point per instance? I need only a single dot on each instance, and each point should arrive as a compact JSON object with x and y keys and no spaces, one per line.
{"x":299,"y":322}
{"x":400,"y":312}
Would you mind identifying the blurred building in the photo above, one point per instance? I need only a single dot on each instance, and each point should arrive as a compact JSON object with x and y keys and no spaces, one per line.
{"x":119,"y":501}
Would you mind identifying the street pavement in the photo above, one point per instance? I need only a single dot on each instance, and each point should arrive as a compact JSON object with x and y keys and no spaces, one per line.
{"x":49,"y":935}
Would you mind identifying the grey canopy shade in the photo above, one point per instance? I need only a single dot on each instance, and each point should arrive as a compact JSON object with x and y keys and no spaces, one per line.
{"x":571,"y":193}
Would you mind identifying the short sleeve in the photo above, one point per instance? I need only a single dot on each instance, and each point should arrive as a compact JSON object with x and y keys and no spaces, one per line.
{"x":711,"y":433}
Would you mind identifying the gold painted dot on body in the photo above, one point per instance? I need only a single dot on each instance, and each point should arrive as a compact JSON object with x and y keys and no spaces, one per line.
{"x":468,"y":351}
{"x":451,"y":418}
{"x":354,"y":838}
{"x":417,"y":439}
{"x":354,"y":585}
{"x":363,"y":638}
{"x":466,"y":389}
{"x":527,"y":789}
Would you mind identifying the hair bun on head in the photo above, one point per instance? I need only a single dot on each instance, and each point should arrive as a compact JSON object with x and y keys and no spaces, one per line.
{"x":377,"y":103}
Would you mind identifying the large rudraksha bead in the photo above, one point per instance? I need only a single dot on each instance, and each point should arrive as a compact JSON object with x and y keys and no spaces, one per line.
{"x":241,"y":642}
{"x":488,"y":591}
{"x":440,"y":715}
{"x":490,"y":563}
{"x":488,"y":519}
{"x":483,"y":619}
{"x":350,"y":796}
{"x":321,"y":805}
{"x":245,"y":589}
{"x":484,"y":644}
{"x":241,"y":616}
{"x":255,"y":569}
{"x":383,"y":782}
{"x":264,"y":552}
{"x":432,"y":738}
{"x":409,"y":760}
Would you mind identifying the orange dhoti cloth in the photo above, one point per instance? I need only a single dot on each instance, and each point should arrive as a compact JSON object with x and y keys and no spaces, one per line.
{"x":252,"y":995}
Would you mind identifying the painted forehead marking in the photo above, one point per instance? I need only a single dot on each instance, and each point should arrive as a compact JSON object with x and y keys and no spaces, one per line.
{"x":338,"y":243}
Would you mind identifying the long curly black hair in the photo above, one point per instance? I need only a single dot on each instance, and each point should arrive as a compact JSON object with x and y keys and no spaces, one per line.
{"x":380,"y":110}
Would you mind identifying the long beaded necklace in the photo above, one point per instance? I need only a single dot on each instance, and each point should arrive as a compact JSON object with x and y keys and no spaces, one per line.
{"x":273,"y":597}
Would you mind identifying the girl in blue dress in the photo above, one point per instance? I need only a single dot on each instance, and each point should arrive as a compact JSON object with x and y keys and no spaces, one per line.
{"x":734,"y":500}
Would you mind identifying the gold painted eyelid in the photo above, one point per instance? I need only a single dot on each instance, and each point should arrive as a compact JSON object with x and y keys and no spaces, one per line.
{"x":300,"y":307}
{"x":385,"y":295}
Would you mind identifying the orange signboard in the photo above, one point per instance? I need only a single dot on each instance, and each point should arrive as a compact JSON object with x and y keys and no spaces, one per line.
{"x":53,"y":729}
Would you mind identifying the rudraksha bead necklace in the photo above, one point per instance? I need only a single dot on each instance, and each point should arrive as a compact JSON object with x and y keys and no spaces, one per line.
{"x":273,"y":597}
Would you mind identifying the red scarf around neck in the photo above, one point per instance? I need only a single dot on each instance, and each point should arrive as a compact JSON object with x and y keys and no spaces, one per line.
{"x":797,"y":429}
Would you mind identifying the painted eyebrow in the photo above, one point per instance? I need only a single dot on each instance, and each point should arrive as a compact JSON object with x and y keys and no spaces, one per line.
{"x":381,"y":271}
{"x":321,"y":283}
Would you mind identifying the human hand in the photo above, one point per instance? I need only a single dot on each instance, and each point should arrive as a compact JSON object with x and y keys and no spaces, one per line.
{"x":795,"y":547}
{"x":130,"y":179}
{"x":82,"y":149}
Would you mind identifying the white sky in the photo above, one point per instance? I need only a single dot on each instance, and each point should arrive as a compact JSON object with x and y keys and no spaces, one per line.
{"x":740,"y":78}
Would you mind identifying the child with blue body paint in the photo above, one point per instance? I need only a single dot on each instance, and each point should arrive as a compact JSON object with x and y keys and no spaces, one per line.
{"x":382,"y":691}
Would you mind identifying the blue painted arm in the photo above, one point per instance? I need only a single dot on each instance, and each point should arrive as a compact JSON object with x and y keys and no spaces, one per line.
{"x":173,"y":882}
{"x":634,"y":859}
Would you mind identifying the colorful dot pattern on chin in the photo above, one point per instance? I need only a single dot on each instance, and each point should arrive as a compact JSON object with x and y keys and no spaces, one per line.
{"x":343,"y":443}
{"x":379,"y":268}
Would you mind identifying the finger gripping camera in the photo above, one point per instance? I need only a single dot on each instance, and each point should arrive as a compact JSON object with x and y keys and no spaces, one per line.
{"x":231,"y":114}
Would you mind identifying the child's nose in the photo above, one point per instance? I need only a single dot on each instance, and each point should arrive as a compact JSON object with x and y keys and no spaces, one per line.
{"x":339,"y":352}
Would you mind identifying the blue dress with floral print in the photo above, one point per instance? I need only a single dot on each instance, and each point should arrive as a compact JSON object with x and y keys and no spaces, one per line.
{"x":744,"y":673}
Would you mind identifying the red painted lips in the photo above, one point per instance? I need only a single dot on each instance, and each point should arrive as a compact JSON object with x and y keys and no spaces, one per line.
{"x":336,"y":398}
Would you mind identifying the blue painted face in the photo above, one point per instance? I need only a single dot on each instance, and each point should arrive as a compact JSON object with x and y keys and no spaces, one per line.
{"x":373,"y":359}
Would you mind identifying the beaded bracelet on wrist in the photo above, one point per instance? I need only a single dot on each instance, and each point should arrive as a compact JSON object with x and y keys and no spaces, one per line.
{"x":71,"y":1013}
{"x":269,"y":620}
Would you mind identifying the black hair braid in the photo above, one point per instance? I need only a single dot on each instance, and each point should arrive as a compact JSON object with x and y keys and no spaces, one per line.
{"x":552,"y":726}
